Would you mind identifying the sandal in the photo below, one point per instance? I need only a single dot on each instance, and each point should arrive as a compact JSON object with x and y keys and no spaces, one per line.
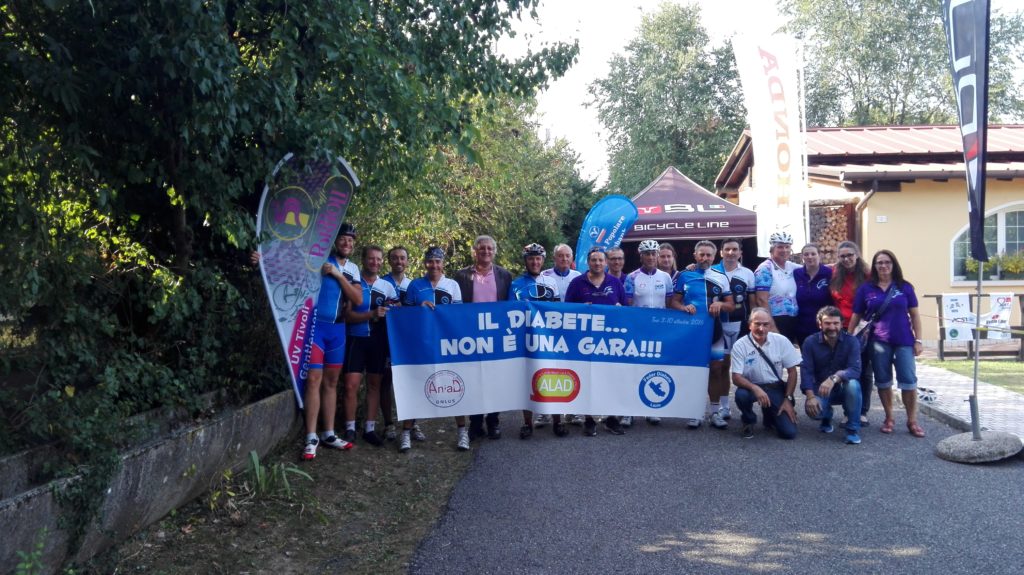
{"x":915,"y":430}
{"x":887,"y":426}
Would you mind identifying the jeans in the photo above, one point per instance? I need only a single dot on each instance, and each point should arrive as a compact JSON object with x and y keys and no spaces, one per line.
{"x":847,"y":394}
{"x":884,"y":357}
{"x":784,"y":426}
{"x":867,"y":378}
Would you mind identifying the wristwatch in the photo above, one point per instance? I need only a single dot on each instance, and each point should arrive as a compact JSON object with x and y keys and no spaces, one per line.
{"x":791,"y":399}
{"x":833,"y":378}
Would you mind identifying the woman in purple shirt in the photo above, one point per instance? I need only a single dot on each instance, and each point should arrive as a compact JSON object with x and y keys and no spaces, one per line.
{"x":896,"y":339}
{"x":812,"y":291}
{"x":597,"y":287}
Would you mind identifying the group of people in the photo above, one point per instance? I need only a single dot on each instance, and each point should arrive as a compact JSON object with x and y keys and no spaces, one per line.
{"x":768,"y":323}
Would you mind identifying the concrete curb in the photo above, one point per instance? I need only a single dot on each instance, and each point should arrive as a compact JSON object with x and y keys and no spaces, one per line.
{"x":944,"y":417}
{"x":153,"y":480}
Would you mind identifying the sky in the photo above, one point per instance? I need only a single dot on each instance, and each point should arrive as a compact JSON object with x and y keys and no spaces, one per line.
{"x":603,"y":28}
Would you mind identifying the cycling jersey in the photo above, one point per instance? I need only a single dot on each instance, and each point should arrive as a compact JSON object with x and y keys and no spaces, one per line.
{"x":780,"y":285}
{"x":648,"y":289}
{"x":741,"y":285}
{"x":562,"y":279}
{"x":361,"y":328}
{"x":399,"y":287}
{"x":421,"y":290}
{"x":530,"y":288}
{"x":702,"y":287}
{"x":330,"y":303}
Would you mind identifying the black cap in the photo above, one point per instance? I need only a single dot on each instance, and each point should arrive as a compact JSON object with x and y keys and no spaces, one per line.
{"x":433,"y":253}
{"x":347,"y":229}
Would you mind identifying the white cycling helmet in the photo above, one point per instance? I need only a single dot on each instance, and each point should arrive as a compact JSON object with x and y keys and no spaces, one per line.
{"x":534,"y":250}
{"x":781,"y":238}
{"x":648,"y":246}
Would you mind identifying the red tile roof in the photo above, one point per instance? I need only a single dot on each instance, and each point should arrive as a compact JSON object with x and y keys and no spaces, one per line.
{"x":887,"y":140}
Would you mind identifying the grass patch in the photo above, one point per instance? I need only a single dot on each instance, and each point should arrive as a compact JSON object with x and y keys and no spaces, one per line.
{"x":364,"y":511}
{"x":1007,"y":374}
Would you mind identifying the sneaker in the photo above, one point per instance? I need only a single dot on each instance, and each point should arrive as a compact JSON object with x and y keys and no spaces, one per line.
{"x":406,"y":443}
{"x":372,"y":438}
{"x":494,"y":432}
{"x":748,"y":431}
{"x":853,"y":439}
{"x":613,"y":426}
{"x":560,"y":430}
{"x":864,"y":421}
{"x":476,"y":431}
{"x":725,"y":413}
{"x":309,"y":451}
{"x":626,"y":421}
{"x":463,"y":443}
{"x":717,"y":422}
{"x":350,"y":435}
{"x":654,"y":420}
{"x":693,"y":423}
{"x":826,"y":426}
{"x":525,"y":432}
{"x":577,"y":419}
{"x":335,"y":442}
{"x":389,"y":433}
{"x":590,"y":428}
{"x":417,"y":433}
{"x":541,"y":420}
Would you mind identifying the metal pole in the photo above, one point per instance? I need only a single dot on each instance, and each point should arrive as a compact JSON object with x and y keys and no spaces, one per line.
{"x":975,"y":418}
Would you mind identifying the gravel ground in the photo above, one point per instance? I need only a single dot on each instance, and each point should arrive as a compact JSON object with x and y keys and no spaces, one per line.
{"x":671,"y":500}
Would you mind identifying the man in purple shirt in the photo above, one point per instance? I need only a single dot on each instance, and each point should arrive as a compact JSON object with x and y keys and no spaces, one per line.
{"x":597,"y":287}
{"x":484,"y":282}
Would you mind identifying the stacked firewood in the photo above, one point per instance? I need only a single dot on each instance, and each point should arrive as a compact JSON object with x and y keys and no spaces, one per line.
{"x":830,"y":224}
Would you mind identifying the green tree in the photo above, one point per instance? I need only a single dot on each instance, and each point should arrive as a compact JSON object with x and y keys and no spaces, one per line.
{"x":519,"y":189}
{"x":885,"y":62}
{"x":671,"y":99}
{"x":134,"y":137}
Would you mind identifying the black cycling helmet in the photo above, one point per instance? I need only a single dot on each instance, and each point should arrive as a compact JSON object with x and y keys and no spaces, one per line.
{"x":534,"y":250}
{"x":347,"y":229}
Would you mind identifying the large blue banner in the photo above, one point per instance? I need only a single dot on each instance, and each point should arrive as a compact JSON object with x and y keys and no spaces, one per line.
{"x":549,"y":358}
{"x":605,"y":225}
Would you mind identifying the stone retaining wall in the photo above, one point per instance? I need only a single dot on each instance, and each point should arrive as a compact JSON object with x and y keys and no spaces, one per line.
{"x":153,"y":480}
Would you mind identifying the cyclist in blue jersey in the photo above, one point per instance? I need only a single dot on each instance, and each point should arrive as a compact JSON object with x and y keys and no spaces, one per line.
{"x":734,"y":323}
{"x":340,"y":283}
{"x":367,"y":345}
{"x":398,"y":261}
{"x":534,"y":286}
{"x":432,"y":290}
{"x":705,"y":291}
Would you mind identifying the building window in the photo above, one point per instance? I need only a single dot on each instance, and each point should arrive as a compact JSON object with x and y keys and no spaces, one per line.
{"x":1004,"y":236}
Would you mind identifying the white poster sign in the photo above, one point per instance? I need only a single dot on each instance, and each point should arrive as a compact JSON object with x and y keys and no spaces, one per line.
{"x":768,"y":72}
{"x":957,"y":317}
{"x":997,"y":320}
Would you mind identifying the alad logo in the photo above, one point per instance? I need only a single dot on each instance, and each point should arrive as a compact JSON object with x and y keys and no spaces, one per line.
{"x":555,"y":385}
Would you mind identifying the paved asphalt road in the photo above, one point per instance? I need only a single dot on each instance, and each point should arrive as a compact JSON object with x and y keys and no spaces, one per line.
{"x":670,"y":500}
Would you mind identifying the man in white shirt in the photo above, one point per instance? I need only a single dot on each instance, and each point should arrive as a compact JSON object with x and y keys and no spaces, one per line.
{"x":758,"y":362}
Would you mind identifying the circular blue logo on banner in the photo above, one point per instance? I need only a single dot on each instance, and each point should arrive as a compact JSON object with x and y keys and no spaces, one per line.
{"x":657,"y":389}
